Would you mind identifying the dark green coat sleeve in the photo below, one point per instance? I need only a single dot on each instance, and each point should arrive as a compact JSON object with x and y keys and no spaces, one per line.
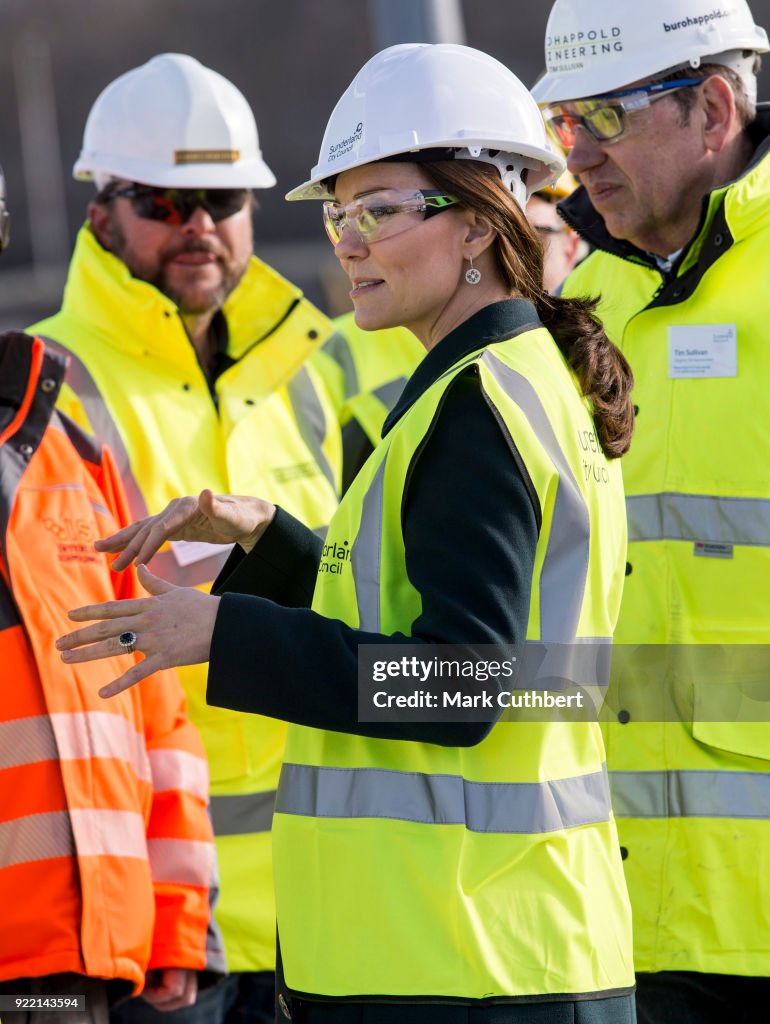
{"x":470,"y":530}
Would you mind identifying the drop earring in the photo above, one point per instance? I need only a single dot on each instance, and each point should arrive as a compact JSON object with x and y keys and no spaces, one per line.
{"x":472,"y":276}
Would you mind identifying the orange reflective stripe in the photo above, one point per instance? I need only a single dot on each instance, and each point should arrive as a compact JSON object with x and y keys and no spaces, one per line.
{"x":181,"y":861}
{"x":72,"y":736}
{"x":100,"y":833}
{"x":176,"y":769}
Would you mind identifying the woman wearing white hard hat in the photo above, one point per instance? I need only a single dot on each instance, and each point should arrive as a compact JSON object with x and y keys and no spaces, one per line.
{"x":445,"y":869}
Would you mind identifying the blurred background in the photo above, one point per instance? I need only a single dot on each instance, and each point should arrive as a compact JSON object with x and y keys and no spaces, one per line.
{"x":291,"y":58}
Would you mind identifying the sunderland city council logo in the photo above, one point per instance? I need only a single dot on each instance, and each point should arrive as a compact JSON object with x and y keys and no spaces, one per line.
{"x":334,"y":557}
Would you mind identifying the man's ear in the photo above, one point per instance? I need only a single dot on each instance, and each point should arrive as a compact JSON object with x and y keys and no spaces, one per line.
{"x":572,"y":246}
{"x":100,"y":220}
{"x":720,"y":116}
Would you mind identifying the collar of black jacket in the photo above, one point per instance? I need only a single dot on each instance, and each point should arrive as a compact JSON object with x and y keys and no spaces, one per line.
{"x":493,"y":323}
{"x":578,"y":212}
{"x":15,"y":366}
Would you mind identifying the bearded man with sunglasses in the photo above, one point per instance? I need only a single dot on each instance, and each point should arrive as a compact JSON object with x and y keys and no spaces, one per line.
{"x":656,"y":105}
{"x":189,"y":356}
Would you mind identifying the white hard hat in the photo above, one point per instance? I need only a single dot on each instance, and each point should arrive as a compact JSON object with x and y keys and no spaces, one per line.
{"x":173,"y":122}
{"x":420,"y":96}
{"x":596,"y":46}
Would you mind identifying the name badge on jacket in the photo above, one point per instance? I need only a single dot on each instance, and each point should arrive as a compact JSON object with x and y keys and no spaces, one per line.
{"x":702,"y":350}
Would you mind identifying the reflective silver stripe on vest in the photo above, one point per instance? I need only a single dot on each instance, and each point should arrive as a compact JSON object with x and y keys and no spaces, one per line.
{"x":104,"y":427}
{"x":699,"y":517}
{"x":366,"y":554}
{"x":502,"y":807}
{"x":73,"y":736}
{"x":181,"y":771}
{"x":90,"y":833}
{"x":36,"y":837}
{"x":565,"y":567}
{"x":338,"y":349}
{"x":691,"y":794}
{"x":181,"y":861}
{"x":310,"y":419}
{"x":390,"y":393}
{"x":242,"y":814}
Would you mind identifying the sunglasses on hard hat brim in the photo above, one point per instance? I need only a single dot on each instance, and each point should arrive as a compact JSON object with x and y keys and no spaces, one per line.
{"x":175,"y":206}
{"x":605,"y":117}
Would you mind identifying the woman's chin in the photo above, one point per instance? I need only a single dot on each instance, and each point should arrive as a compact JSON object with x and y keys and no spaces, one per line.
{"x":371,"y":319}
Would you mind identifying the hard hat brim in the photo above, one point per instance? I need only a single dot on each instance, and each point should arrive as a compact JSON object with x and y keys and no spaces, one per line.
{"x":241,"y":174}
{"x":314,"y":187}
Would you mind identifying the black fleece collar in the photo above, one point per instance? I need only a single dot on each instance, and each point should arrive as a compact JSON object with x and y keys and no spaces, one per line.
{"x":493,"y":323}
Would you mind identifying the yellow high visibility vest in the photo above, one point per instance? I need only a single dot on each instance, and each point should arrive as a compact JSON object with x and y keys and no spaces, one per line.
{"x":692,"y":797}
{"x":366,"y":371}
{"x":483,"y":872}
{"x":134,"y":381}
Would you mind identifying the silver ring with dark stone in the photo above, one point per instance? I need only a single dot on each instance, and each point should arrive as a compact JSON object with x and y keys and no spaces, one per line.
{"x":127,"y":642}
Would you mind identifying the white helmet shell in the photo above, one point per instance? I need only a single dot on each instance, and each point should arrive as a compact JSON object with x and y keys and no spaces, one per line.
{"x":173,"y":123}
{"x":419,"y":96}
{"x":596,"y":46}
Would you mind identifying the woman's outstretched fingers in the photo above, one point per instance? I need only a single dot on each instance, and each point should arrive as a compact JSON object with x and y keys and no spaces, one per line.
{"x":118,"y":541}
{"x":96,"y":651}
{"x":144,"y":538}
{"x":135,"y":675}
{"x":98,"y":632}
{"x":108,"y":610}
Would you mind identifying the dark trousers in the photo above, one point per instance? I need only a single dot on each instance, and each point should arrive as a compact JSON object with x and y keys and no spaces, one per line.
{"x":618,"y":1010}
{"x":686,"y":997}
{"x":246,"y":998}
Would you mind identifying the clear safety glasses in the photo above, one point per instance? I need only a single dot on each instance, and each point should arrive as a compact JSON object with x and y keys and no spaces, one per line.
{"x":384,"y":214}
{"x":604,"y":117}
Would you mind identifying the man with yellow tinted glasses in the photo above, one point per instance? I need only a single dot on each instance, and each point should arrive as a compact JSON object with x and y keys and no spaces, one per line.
{"x":656,"y":106}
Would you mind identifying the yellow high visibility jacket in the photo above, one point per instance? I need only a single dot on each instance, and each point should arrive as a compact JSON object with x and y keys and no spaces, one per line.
{"x":692,"y":797}
{"x":489,"y":871}
{"x":366,"y":371}
{"x":135,"y":382}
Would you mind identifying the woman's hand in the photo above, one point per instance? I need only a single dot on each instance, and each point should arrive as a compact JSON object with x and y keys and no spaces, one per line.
{"x":216,"y":519}
{"x":172,"y":628}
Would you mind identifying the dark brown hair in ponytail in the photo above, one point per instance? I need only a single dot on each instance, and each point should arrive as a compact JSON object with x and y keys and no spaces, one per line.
{"x":601,"y":369}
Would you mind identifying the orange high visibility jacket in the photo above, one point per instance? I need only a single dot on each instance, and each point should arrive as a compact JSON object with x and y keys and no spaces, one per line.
{"x":106,"y":850}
